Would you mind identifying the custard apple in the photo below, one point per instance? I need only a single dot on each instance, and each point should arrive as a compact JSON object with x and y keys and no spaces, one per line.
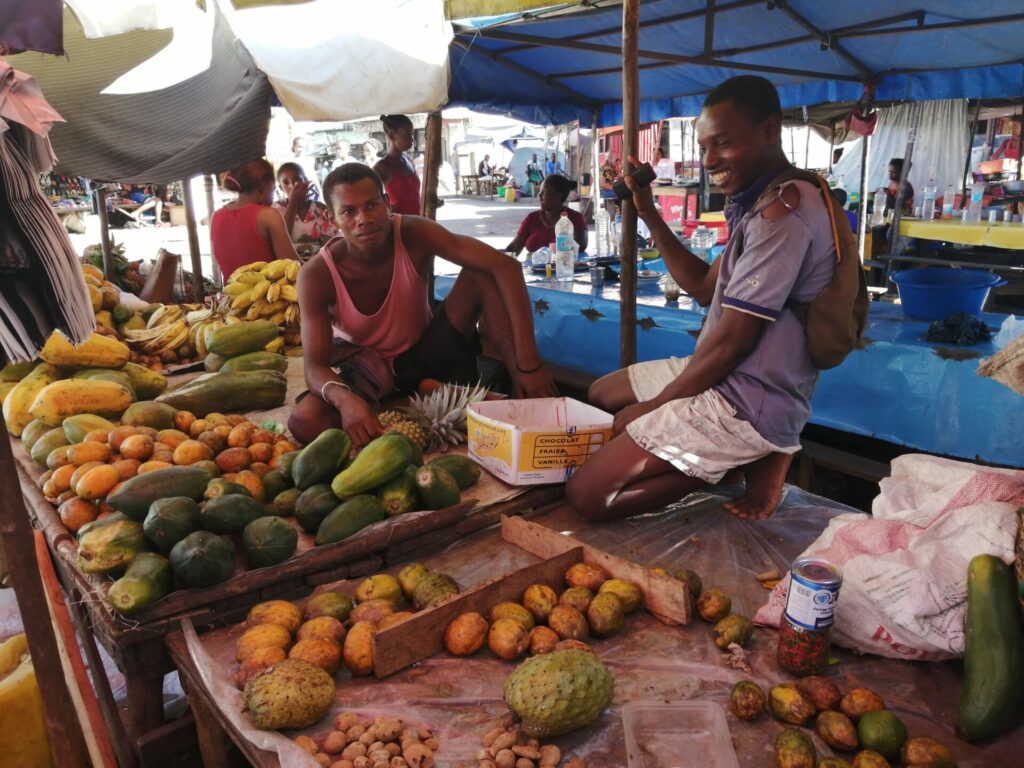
{"x":290,"y":694}
{"x":558,"y":692}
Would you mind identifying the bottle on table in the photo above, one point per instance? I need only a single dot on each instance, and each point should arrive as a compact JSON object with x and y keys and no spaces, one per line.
{"x":928,"y":207}
{"x":878,"y":208}
{"x":603,"y":231}
{"x":702,"y":241}
{"x":565,"y":260}
{"x":948,"y":200}
{"x":973,"y":215}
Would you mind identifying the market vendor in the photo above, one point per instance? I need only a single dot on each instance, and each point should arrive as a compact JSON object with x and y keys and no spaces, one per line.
{"x":305,"y":216}
{"x":249,"y":229}
{"x":743,"y":397}
{"x":366,"y":309}
{"x":538,"y":228}
{"x":396,"y":170}
{"x":895,"y":172}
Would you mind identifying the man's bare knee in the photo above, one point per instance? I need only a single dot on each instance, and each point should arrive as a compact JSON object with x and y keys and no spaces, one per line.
{"x":586,"y":499}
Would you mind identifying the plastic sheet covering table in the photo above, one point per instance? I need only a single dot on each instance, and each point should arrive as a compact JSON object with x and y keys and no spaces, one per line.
{"x":461,"y":698}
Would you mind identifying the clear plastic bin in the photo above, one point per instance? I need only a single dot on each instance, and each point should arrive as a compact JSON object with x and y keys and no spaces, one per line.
{"x":679,"y":734}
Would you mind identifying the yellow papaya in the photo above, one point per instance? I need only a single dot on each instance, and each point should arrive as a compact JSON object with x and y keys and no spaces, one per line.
{"x":5,"y":389}
{"x":105,"y":319}
{"x":95,"y":272}
{"x":15,"y":372}
{"x":95,"y":352}
{"x":69,"y":397}
{"x":18,"y":403}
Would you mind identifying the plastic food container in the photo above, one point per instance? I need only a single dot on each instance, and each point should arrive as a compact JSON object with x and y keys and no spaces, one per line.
{"x":679,"y":734}
{"x":934,"y":293}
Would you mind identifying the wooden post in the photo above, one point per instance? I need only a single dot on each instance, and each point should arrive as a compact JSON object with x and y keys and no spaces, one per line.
{"x":101,"y":211}
{"x":218,"y":278}
{"x":16,"y":533}
{"x":970,"y":143}
{"x":431,"y":166}
{"x":193,"y":240}
{"x":630,"y":137}
{"x":897,"y":212}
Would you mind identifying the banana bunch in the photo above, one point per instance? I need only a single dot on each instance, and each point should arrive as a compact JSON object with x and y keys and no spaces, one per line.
{"x":159,"y":339}
{"x":266,"y":291}
{"x":202,"y":323}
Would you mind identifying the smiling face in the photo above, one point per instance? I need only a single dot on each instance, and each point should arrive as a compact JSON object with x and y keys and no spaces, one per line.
{"x":362,"y":213}
{"x":735,"y":151}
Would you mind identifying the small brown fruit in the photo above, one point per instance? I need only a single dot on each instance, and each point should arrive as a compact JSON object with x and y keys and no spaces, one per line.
{"x":466,"y":634}
{"x":568,"y":623}
{"x":837,"y":730}
{"x":823,"y":693}
{"x":789,"y":705}
{"x":508,"y":638}
{"x":747,"y":700}
{"x":512,"y":611}
{"x":542,"y":640}
{"x":713,"y":605}
{"x":586,"y":575}
{"x":859,"y":701}
{"x":539,"y":599}
{"x":576,"y":597}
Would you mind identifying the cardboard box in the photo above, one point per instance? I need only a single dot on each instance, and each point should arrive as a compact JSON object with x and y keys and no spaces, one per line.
{"x":529,"y":442}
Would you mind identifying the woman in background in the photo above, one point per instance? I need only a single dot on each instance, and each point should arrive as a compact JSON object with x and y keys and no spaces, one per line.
{"x":305,"y":216}
{"x":396,"y":170}
{"x":249,"y":229}
{"x":538,"y":228}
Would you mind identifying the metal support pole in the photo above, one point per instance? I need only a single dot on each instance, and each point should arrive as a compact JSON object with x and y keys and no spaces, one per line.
{"x":101,"y":211}
{"x":218,"y":278}
{"x":970,"y":144}
{"x":897,"y":213}
{"x":862,"y":222}
{"x":193,"y":241}
{"x":630,"y":138}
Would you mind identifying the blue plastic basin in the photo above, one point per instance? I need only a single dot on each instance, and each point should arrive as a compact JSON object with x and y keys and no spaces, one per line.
{"x":933,"y":293}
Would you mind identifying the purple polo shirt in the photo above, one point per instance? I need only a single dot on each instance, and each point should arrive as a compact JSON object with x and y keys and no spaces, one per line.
{"x":789,"y":258}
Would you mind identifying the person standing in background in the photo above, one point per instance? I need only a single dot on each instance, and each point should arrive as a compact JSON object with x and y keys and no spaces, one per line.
{"x":300,"y":145}
{"x":305,"y":216}
{"x":553,"y":166}
{"x":895,"y":171}
{"x":663,"y":165}
{"x":534,"y":175}
{"x":342,"y":154}
{"x":396,"y":170}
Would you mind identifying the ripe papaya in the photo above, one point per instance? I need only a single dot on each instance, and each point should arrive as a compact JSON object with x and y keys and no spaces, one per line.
{"x":97,"y":351}
{"x":147,"y":579}
{"x":18,"y":403}
{"x":381,"y":460}
{"x":109,"y":544}
{"x":69,"y":397}
{"x":146,"y":382}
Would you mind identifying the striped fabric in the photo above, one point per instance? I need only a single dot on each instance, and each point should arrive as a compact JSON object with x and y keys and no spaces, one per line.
{"x":51,"y":294}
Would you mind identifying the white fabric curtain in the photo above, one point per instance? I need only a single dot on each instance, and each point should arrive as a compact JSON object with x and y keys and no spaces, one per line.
{"x":939,"y":151}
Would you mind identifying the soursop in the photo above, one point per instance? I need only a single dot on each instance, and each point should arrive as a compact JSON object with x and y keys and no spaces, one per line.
{"x":558,"y":692}
{"x":290,"y":694}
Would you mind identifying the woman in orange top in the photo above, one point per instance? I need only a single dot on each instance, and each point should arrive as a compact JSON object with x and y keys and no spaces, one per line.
{"x":249,"y":229}
{"x":396,"y":170}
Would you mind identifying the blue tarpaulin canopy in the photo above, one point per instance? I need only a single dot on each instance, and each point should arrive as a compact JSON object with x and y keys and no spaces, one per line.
{"x":561,"y":64}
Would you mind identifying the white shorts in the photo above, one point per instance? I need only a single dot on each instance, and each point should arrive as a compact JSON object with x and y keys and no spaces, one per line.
{"x":700,"y":436}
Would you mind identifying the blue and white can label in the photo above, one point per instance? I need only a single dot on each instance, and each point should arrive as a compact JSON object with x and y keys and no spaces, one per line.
{"x":813,"y":593}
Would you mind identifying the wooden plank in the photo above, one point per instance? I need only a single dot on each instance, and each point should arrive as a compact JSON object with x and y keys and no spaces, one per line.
{"x":667,"y":599}
{"x":422,"y":635}
{"x":193,"y":240}
{"x":843,"y":461}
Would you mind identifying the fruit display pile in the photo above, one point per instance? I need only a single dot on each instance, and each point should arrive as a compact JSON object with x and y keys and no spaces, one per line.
{"x":387,"y":741}
{"x":266,"y":291}
{"x":857,"y":723}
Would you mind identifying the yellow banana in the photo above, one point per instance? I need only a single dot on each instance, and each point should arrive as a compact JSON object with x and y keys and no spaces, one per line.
{"x":291,"y":271}
{"x":273,"y":292}
{"x":275,"y":269}
{"x":259,"y":291}
{"x":246,"y":278}
{"x":241,"y":301}
{"x":236,"y":289}
{"x":276,"y":345}
{"x":253,"y":313}
{"x":277,"y":317}
{"x":255,"y":266}
{"x":293,"y":352}
{"x":289,"y":293}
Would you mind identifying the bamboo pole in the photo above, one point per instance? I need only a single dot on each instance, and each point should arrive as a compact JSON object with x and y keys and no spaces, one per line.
{"x":16,"y":533}
{"x":431,"y":166}
{"x":218,"y":278}
{"x":970,"y":141}
{"x":101,"y":211}
{"x":193,"y":240}
{"x":630,"y":137}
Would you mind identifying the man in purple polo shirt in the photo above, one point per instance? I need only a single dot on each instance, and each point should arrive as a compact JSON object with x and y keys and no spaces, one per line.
{"x":743,"y":397}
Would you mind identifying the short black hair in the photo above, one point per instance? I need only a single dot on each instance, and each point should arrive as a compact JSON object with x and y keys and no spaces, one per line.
{"x":394,"y":122}
{"x":295,"y":168}
{"x":755,"y":96}
{"x":560,"y":185}
{"x":897,"y":163}
{"x":350,"y":173}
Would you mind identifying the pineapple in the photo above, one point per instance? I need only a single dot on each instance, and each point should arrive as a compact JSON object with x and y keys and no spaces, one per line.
{"x":393,"y":421}
{"x":442,"y":414}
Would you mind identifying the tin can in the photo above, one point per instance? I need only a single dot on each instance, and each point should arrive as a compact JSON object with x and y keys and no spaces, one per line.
{"x":810,"y":612}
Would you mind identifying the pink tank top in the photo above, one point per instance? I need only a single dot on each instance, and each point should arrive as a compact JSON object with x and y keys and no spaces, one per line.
{"x":401,"y":319}
{"x":404,"y":193}
{"x":236,"y":240}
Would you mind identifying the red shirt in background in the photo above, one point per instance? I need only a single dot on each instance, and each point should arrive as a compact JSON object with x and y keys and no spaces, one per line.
{"x":537,"y":234}
{"x":236,"y":240}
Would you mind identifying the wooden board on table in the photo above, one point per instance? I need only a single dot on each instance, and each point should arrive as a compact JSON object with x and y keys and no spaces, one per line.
{"x":666,"y":598}
{"x":422,"y":635}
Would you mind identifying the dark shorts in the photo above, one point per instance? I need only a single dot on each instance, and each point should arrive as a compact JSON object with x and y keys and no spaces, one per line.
{"x":442,"y":353}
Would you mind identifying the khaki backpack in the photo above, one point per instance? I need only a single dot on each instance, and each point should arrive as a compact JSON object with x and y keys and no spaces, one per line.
{"x":835,"y":320}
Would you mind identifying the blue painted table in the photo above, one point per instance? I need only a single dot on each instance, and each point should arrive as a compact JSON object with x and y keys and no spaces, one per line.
{"x":899,"y":388}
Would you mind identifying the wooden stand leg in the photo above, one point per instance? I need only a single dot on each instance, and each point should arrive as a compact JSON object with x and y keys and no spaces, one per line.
{"x":214,"y":744}
{"x":145,"y":700}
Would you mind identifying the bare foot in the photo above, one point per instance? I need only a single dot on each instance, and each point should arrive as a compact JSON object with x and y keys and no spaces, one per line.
{"x":764,"y":478}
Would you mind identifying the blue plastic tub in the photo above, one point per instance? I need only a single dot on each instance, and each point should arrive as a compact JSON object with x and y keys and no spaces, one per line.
{"x":933,"y":293}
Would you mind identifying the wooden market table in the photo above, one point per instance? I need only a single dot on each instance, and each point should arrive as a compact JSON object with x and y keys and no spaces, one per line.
{"x":998,"y":235}
{"x":460,"y":699}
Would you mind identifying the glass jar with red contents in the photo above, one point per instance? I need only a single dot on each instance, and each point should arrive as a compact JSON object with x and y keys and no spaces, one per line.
{"x":810,"y":612}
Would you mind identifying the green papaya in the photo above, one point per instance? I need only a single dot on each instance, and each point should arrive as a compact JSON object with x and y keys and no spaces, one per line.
{"x":256,"y":361}
{"x":42,"y":447}
{"x":283,"y":504}
{"x":274,"y":482}
{"x":436,"y":486}
{"x":170,"y":520}
{"x":321,"y":460}
{"x":135,"y":496}
{"x":400,"y":495}
{"x":214,"y":363}
{"x":417,"y":453}
{"x":32,"y":432}
{"x":218,"y":486}
{"x":465,"y":471}
{"x":147,"y":579}
{"x":381,"y":460}
{"x":108,"y":545}
{"x":77,"y":427}
{"x":268,"y":541}
{"x":149,"y":413}
{"x":313,"y":505}
{"x":350,"y":517}
{"x":203,"y":559}
{"x":17,"y":371}
{"x":285,"y":461}
{"x":146,"y":382}
{"x":231,"y":513}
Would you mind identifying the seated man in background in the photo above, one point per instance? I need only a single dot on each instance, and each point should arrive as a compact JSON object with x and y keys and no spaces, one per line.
{"x":366,"y":293}
{"x":743,"y":397}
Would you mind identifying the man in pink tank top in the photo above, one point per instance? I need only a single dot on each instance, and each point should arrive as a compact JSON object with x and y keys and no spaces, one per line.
{"x":370,"y":288}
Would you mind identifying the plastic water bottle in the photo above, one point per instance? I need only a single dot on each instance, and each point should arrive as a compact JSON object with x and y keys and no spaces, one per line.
{"x":616,"y":235}
{"x":928,"y":207}
{"x":973,"y":215}
{"x":878,"y":208}
{"x":603,"y":231}
{"x":702,"y":241}
{"x":948,"y":199}
{"x":565,"y":262}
